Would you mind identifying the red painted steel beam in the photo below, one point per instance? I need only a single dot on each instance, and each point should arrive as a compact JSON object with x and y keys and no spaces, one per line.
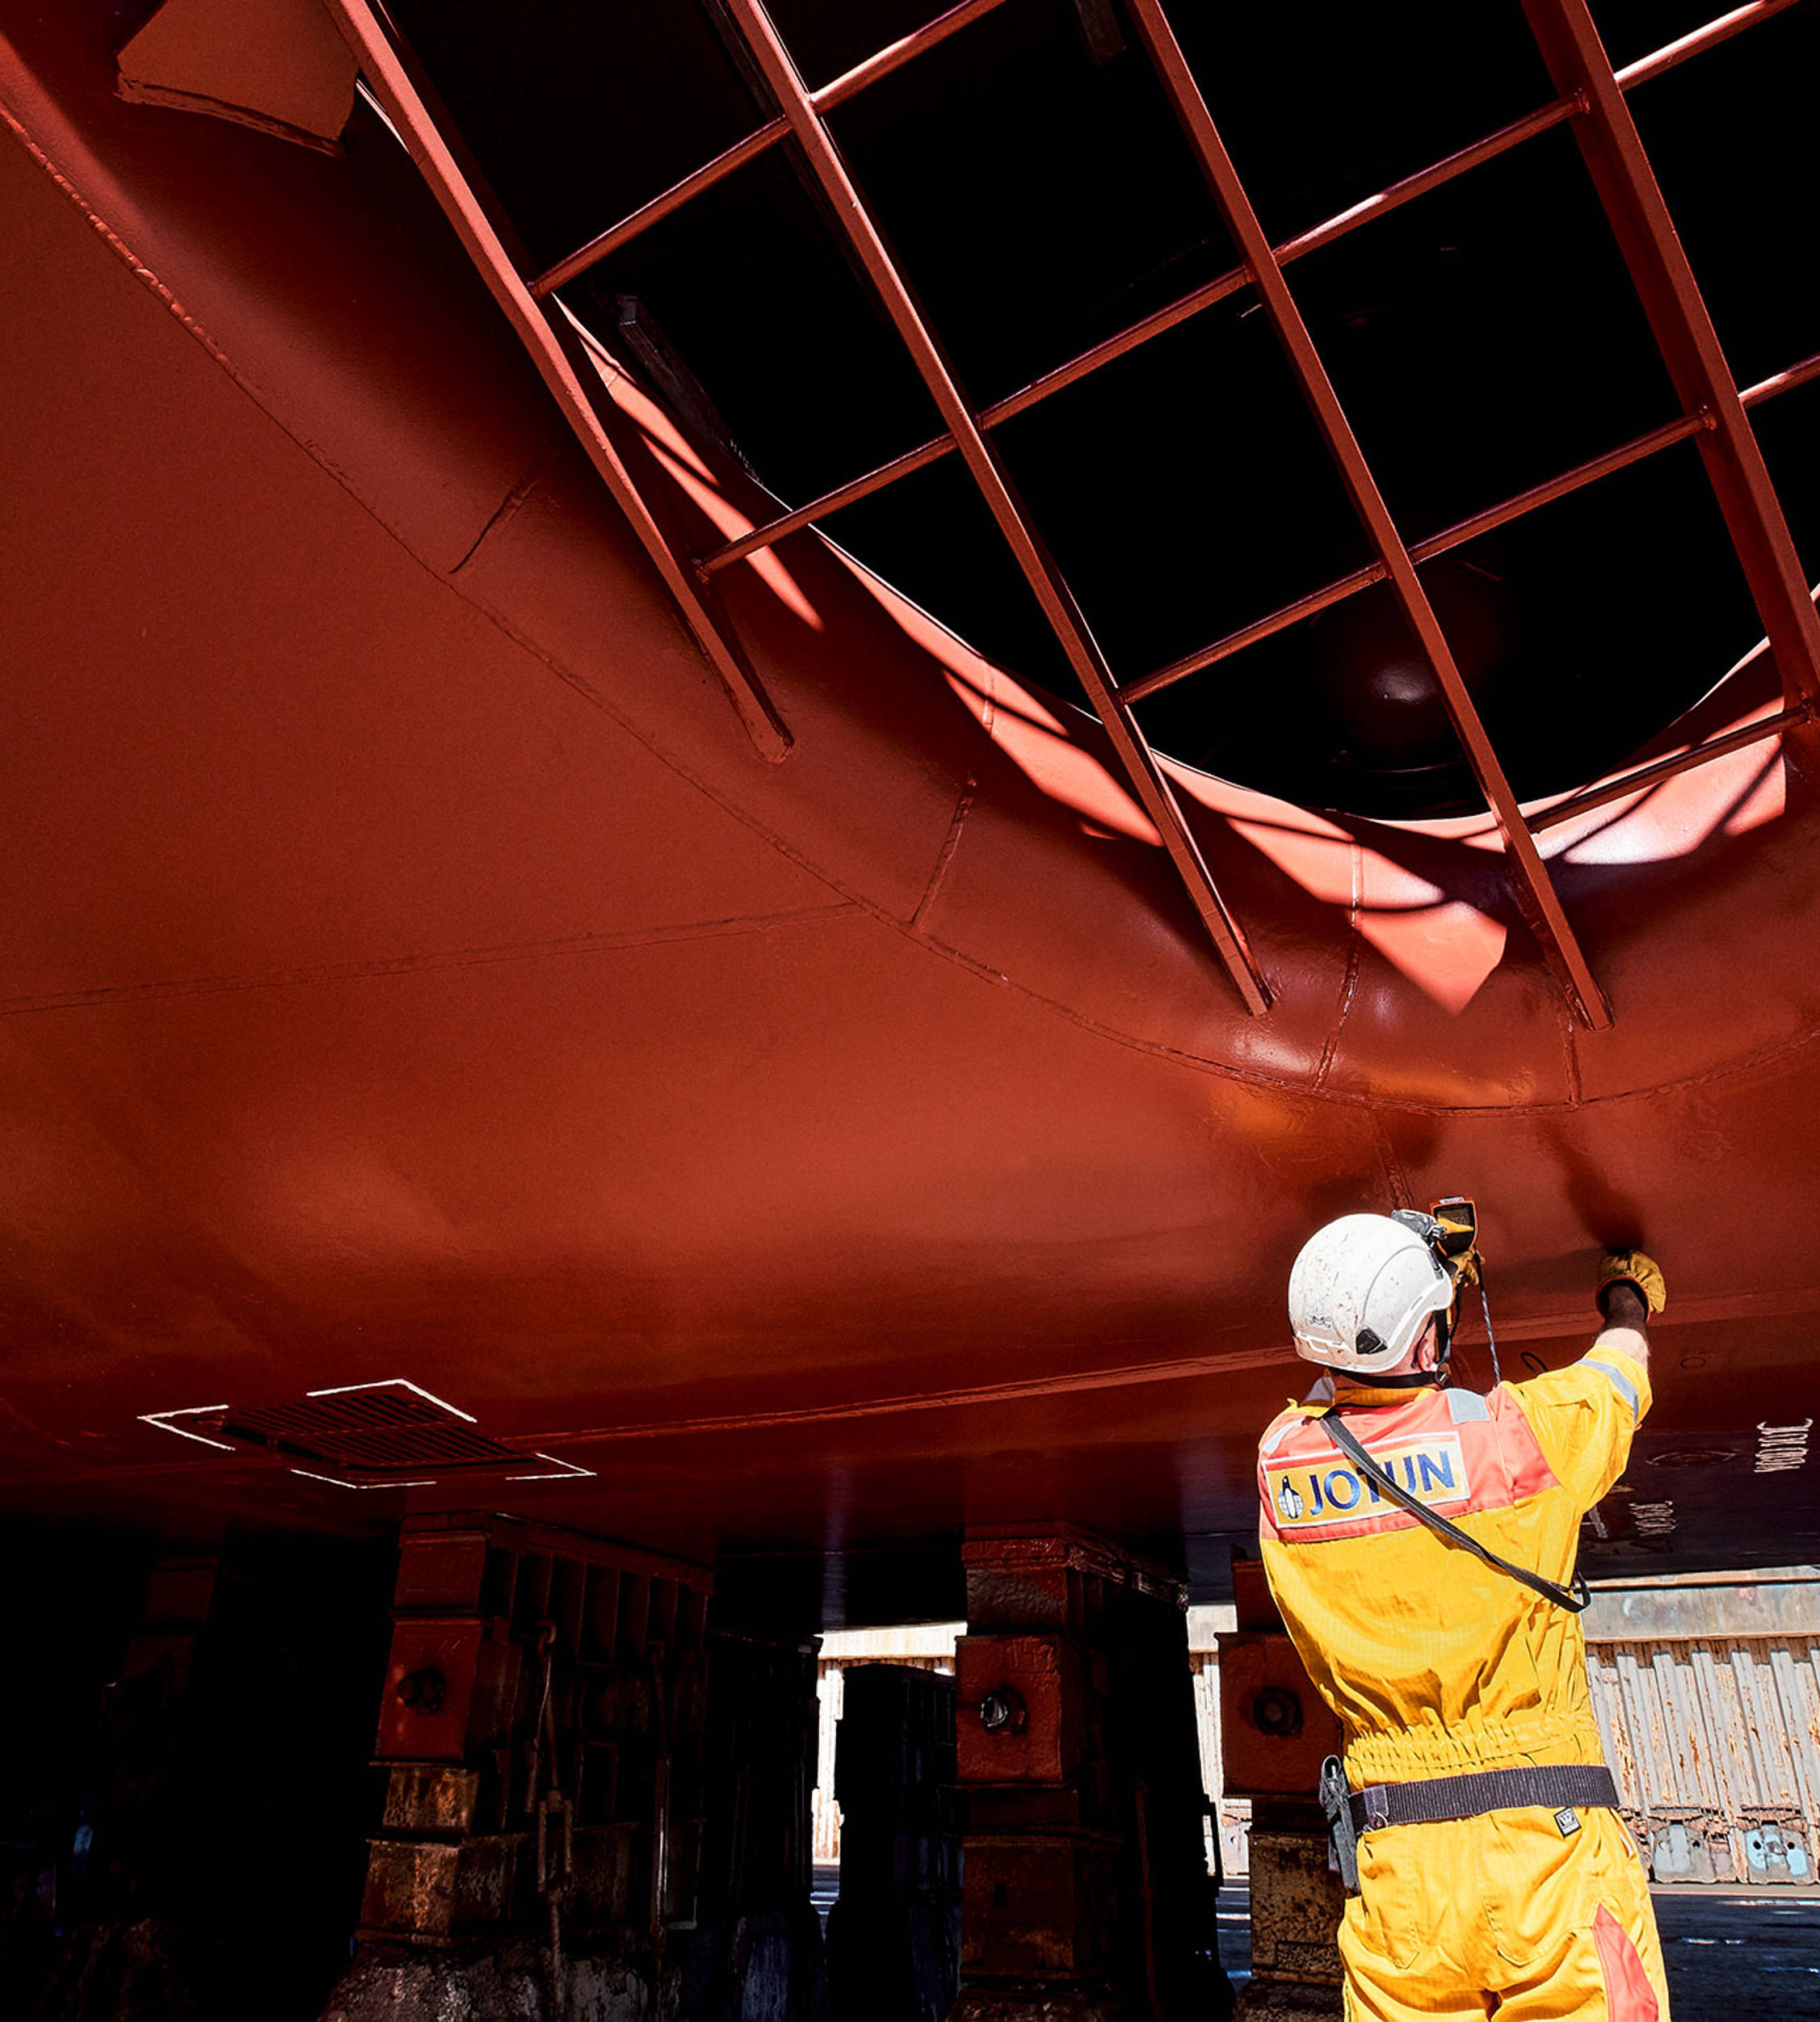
{"x":1543,"y":120}
{"x":1665,"y":284}
{"x":1534,"y":887}
{"x":848,"y":85}
{"x":1138,"y":762}
{"x":393,"y":78}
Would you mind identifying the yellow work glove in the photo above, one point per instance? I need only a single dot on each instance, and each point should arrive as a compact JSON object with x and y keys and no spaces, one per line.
{"x":1631,"y":1266}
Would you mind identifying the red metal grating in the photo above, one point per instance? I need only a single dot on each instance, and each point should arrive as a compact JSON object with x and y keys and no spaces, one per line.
{"x":1591,"y":100}
{"x":390,"y":1428}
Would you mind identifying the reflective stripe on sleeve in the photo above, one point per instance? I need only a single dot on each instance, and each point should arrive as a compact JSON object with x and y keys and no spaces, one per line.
{"x":1624,"y":1385}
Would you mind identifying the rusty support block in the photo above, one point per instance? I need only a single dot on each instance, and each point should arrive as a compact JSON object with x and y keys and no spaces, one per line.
{"x":1296,"y":1902}
{"x":543,"y":1704}
{"x":1085,"y":1893}
{"x":1275,"y":1731}
{"x":433,"y":1892}
{"x":1035,"y":1906}
{"x":162,"y":1650}
{"x":1038,"y":1734}
{"x":894,"y":1933}
{"x":754,"y":1946}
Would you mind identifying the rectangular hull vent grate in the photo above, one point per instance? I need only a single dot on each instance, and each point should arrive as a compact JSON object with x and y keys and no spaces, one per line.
{"x":378,"y":1429}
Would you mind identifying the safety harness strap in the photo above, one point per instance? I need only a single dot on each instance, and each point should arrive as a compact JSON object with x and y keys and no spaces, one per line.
{"x":1574,"y":1599}
{"x":1555,"y":1786}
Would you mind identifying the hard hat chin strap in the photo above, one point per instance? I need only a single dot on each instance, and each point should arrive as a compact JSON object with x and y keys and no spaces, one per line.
{"x":1416,"y":1379}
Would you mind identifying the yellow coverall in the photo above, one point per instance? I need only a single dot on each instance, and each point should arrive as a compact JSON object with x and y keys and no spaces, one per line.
{"x":1438,"y":1665}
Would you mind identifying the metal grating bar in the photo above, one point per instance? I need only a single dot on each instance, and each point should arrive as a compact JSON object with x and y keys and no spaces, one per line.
{"x":1543,"y":120}
{"x":659,"y":208}
{"x":1424,"y":550}
{"x":1143,"y":330}
{"x":388,"y":1428}
{"x":1548,"y":917}
{"x":848,"y":85}
{"x":565,"y":371}
{"x":468,"y":208}
{"x":1260,"y":629}
{"x":1783,"y":382}
{"x":932,"y":451}
{"x":1646,"y":775}
{"x":1684,"y":335}
{"x":894,"y":55}
{"x":1660,"y":61}
{"x":1639,"y":446}
{"x":851,"y":83}
{"x":388,"y":1435}
{"x":1138,"y":761}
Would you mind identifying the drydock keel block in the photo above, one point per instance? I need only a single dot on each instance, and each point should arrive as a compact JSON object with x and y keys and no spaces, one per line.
{"x":1085,"y":1893}
{"x":1275,"y":1733}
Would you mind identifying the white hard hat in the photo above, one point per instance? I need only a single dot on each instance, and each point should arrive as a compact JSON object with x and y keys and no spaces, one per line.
{"x":1361,"y":1292}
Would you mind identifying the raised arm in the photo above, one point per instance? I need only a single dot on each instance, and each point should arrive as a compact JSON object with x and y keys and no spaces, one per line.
{"x":1630,"y":1289}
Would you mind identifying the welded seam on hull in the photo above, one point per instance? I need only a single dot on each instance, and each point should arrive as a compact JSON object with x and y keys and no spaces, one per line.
{"x":1186,"y":1369}
{"x":1563,"y":1327}
{"x":507,"y":510}
{"x":938,"y":877}
{"x":1395,"y":1180}
{"x":414,"y":964}
{"x":1195,"y":1063}
{"x":148,"y":278}
{"x":1349,"y":982}
{"x":1570,"y":1054}
{"x":115,"y":244}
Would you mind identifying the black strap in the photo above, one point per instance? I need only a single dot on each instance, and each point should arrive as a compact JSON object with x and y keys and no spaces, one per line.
{"x":1551,"y":1786}
{"x":1573,"y":1598}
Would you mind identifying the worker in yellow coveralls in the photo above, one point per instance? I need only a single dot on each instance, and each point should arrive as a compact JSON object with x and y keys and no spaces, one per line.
{"x":1416,"y":1538}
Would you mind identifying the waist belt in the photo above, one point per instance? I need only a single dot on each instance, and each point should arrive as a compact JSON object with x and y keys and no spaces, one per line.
{"x":1555,"y":1786}
{"x":1561,"y":1788}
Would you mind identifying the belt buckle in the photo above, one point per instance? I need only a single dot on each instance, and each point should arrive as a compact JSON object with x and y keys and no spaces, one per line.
{"x":1375,"y":1798}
